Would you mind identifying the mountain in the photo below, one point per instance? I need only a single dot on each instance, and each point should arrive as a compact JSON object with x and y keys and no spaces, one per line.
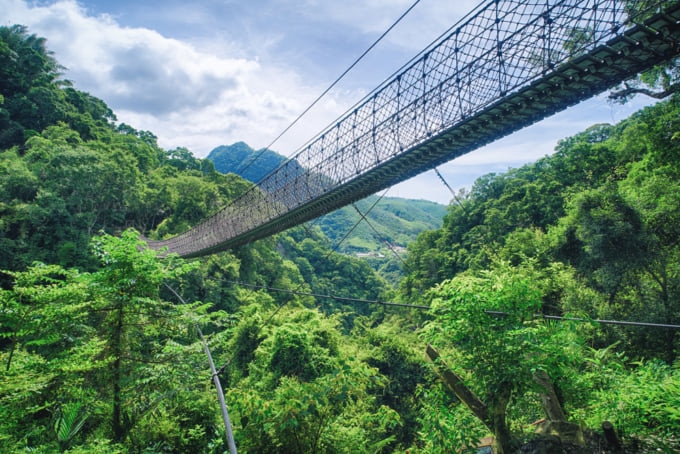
{"x":242,"y":160}
{"x":393,"y":220}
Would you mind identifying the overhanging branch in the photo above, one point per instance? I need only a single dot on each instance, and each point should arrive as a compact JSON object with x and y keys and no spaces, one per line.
{"x":629,"y":91}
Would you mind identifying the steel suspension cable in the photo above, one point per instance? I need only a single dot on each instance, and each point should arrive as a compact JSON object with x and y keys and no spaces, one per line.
{"x":356,"y":224}
{"x":423,"y":307}
{"x":603,"y":322}
{"x":380,"y":237}
{"x":331,"y":86}
{"x":333,"y":297}
{"x":455,"y":196}
{"x":216,"y":380}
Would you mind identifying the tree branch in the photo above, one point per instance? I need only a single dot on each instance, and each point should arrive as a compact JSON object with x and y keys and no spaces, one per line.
{"x":628,"y":91}
{"x":456,"y":384}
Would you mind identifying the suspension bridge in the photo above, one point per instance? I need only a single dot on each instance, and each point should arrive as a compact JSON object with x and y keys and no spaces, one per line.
{"x":507,"y":65}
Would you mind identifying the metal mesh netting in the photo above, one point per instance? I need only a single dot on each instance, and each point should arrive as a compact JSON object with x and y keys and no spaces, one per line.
{"x":504,"y":47}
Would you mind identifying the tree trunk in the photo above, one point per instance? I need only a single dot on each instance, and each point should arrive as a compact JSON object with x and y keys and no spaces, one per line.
{"x":492,"y":416}
{"x":556,"y":423}
{"x":502,"y":443}
{"x":610,"y":436}
{"x":551,"y":404}
{"x":116,"y":347}
{"x":11,"y":352}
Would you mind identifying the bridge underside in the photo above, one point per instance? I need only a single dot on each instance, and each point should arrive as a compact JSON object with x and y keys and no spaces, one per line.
{"x":619,"y":59}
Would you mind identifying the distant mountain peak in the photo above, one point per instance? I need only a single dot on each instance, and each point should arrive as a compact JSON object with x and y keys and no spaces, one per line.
{"x":241,"y":159}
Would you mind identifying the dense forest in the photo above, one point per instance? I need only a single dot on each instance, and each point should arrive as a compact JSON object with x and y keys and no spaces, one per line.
{"x":100,"y":339}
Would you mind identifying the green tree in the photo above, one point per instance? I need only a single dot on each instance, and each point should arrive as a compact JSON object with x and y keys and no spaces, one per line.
{"x":390,"y":350}
{"x":494,"y":355}
{"x":26,"y":62}
{"x":49,"y":352}
{"x":33,"y":311}
{"x":653,"y":191}
{"x":612,"y":238}
{"x":621,"y":238}
{"x":33,"y":95}
{"x":300,"y":389}
{"x":134,"y":322}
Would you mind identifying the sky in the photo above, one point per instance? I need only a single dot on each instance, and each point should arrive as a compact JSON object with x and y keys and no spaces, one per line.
{"x":204,"y":73}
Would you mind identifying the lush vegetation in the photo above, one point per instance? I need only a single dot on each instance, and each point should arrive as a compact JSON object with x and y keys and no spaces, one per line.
{"x":595,"y":227}
{"x":98,"y":354}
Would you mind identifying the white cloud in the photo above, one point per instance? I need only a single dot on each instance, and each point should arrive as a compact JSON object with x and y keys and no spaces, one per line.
{"x":185,"y":96}
{"x":424,"y":22}
{"x":202,"y":97}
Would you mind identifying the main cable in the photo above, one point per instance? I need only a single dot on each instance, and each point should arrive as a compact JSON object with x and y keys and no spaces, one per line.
{"x":331,"y":86}
{"x":380,"y":237}
{"x":333,"y":297}
{"x":453,"y":193}
{"x":356,"y":224}
{"x":585,"y":320}
{"x":423,"y":307}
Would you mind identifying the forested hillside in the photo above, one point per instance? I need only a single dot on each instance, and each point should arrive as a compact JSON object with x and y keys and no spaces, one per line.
{"x":589,"y":232}
{"x":99,"y":338}
{"x":97,"y":353}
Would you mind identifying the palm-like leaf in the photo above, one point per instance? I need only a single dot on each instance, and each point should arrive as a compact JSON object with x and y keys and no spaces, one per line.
{"x":69,"y":422}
